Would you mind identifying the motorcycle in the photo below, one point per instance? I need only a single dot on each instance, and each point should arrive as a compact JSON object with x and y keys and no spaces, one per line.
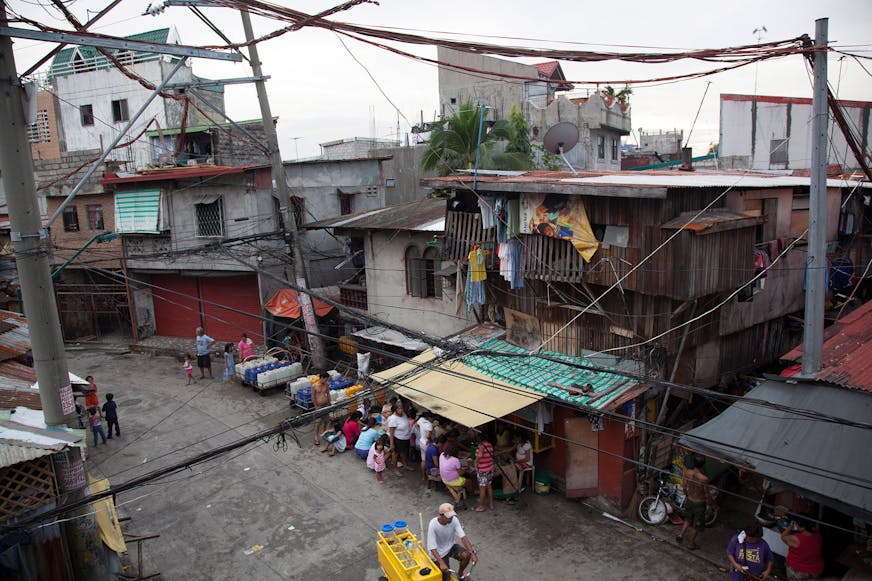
{"x":670,"y":498}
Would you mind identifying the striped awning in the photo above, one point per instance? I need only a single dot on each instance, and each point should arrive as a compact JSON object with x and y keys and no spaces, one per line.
{"x":137,"y":212}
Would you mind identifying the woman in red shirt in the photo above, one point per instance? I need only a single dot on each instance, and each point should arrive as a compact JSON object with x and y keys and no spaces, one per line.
{"x":351,"y":428}
{"x":804,"y":558}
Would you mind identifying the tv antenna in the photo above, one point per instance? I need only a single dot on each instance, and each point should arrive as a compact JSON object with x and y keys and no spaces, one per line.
{"x":560,"y":139}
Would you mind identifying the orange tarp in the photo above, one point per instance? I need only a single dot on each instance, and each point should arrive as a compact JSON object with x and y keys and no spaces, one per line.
{"x":285,"y":304}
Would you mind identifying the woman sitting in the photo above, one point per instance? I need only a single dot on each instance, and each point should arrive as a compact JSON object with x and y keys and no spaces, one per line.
{"x":334,"y":439}
{"x":523,"y":452}
{"x":450,"y":469}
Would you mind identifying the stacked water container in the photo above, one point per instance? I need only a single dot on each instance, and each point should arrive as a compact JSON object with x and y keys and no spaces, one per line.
{"x":243,"y":368}
{"x":277,"y":373}
{"x":304,"y":398}
{"x":338,"y":386}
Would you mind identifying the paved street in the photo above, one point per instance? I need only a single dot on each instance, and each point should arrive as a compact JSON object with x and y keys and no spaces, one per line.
{"x":209,"y":515}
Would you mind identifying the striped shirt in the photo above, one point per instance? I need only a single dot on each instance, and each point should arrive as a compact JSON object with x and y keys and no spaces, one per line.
{"x":484,"y":457}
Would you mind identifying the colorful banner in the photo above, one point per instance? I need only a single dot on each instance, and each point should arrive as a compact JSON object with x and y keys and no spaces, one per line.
{"x":559,"y":216}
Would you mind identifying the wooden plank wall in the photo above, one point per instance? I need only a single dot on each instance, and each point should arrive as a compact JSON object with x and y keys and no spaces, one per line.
{"x":463,"y":230}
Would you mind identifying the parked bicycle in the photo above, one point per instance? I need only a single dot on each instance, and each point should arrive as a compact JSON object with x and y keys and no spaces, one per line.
{"x":670,"y":498}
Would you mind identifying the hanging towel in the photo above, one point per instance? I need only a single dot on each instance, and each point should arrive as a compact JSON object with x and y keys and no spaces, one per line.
{"x":501,"y":217}
{"x":516,"y":279}
{"x":514,"y":218}
{"x":486,"y":205}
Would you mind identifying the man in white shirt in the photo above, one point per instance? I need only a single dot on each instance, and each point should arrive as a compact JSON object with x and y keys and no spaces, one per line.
{"x":442,"y":535}
{"x":425,"y":436}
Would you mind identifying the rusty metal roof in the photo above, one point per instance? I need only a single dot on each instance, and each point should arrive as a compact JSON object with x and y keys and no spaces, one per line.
{"x":175,"y":173}
{"x":847,"y":351}
{"x":711,"y":221}
{"x":423,"y":216}
{"x":640,"y":184}
{"x":14,"y":335}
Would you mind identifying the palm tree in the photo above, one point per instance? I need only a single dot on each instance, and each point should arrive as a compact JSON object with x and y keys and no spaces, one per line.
{"x":454,"y":143}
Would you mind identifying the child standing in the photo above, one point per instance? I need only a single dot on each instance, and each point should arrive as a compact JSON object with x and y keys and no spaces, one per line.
{"x":110,"y":412}
{"x":96,"y":424}
{"x":377,"y":459}
{"x":228,"y":362}
{"x":189,"y":369}
{"x":91,"y":398}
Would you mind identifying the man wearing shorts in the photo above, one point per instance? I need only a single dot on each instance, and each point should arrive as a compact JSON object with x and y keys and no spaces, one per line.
{"x":695,"y":487}
{"x":204,"y":360}
{"x":442,"y":535}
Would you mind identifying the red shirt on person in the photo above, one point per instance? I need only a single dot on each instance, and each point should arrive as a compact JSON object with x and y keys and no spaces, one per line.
{"x":351,"y":429}
{"x":806,"y":558}
{"x":484,"y":457}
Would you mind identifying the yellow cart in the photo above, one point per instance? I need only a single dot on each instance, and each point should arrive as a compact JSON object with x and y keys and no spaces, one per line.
{"x":404,"y":558}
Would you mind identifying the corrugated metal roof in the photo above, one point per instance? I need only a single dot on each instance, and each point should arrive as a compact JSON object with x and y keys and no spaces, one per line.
{"x":847,"y":351}
{"x":422,"y":216}
{"x":711,"y":221}
{"x":15,"y":338}
{"x":12,"y":453}
{"x":21,"y":441}
{"x":596,"y":180}
{"x":176,"y":173}
{"x":64,"y":56}
{"x":609,"y":390}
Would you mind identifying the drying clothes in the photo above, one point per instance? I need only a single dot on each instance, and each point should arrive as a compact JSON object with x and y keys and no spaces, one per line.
{"x":841,"y":274}
{"x":596,"y":422}
{"x":516,"y":279}
{"x":513,"y":221}
{"x":505,"y":267}
{"x":474,"y":294}
{"x":502,"y":219}
{"x":486,"y":205}
{"x":477,"y":271}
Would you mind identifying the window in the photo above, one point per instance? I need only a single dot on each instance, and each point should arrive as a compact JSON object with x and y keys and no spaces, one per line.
{"x":778,"y":151}
{"x":415,"y":284}
{"x":432,"y":263}
{"x":601,"y":147}
{"x":345,"y":203}
{"x":119,"y":110}
{"x":87,"y":114}
{"x":421,"y":278}
{"x":390,"y":183}
{"x":209,"y":220}
{"x":95,"y":216}
{"x":71,"y":219}
{"x":39,"y":131}
{"x":299,"y":205}
{"x":614,"y":149}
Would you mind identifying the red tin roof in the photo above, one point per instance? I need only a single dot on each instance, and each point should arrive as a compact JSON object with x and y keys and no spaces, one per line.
{"x":847,"y":351}
{"x":176,"y":173}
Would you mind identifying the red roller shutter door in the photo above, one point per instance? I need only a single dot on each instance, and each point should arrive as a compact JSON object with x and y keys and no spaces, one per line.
{"x":176,"y":305}
{"x":240,"y":293}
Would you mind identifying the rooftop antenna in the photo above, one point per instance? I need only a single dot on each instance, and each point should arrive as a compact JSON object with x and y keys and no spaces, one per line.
{"x":560,"y":139}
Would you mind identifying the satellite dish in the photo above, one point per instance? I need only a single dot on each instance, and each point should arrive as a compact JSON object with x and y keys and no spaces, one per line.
{"x":561,"y":138}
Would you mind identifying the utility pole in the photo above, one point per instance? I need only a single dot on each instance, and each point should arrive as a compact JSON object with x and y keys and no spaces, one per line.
{"x":816,"y":271}
{"x":316,"y":345}
{"x":30,"y":244}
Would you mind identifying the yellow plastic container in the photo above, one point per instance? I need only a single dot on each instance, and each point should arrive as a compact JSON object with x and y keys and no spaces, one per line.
{"x":405,"y":558}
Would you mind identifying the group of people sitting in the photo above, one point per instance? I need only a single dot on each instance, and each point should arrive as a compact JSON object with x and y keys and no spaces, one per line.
{"x":397,"y":436}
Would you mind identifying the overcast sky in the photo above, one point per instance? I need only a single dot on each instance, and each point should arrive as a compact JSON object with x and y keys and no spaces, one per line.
{"x":320,"y":93}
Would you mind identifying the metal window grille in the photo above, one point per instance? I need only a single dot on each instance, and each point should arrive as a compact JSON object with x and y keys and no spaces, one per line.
{"x":119,"y":110}
{"x":299,"y":205}
{"x":71,"y":219}
{"x":345,"y":203}
{"x":416,"y":281}
{"x":614,"y":148}
{"x":209,"y":220}
{"x":95,"y":217}
{"x":39,"y":131}
{"x":601,"y":147}
{"x":433,"y":282}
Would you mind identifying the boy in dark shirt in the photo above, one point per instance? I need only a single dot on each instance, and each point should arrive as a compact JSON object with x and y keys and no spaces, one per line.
{"x":110,"y":412}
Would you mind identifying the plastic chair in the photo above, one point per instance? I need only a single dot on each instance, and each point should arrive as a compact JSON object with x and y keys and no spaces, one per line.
{"x":532,"y":472}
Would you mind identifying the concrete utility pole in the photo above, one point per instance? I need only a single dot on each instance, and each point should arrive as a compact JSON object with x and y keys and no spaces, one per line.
{"x":316,"y":345}
{"x":30,"y":243}
{"x":816,"y":271}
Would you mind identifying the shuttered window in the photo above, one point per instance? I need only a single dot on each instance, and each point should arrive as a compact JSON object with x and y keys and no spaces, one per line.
{"x":209,"y":220}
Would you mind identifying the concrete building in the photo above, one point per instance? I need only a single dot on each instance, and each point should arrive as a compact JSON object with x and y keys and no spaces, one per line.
{"x":210,"y":143}
{"x":326,"y":188}
{"x":403,"y":277}
{"x":46,"y":134}
{"x":183,"y":230}
{"x":535,"y":90}
{"x":97,"y":99}
{"x":464,"y":77}
{"x":354,"y":147}
{"x":774,"y":133}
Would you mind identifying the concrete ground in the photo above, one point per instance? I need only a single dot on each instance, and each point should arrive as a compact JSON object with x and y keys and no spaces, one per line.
{"x":316,"y":517}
